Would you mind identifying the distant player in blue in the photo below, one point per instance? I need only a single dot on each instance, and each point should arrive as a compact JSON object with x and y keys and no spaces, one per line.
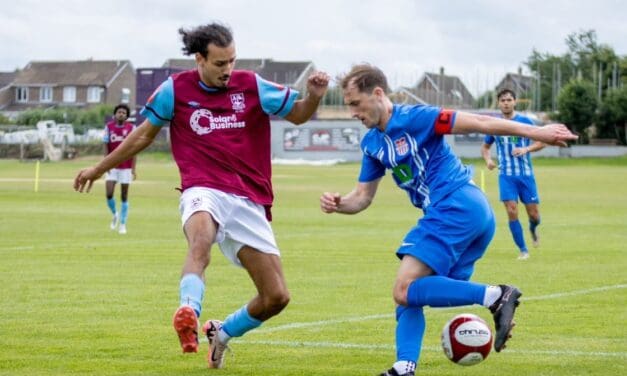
{"x":439,"y":253}
{"x":516,"y":178}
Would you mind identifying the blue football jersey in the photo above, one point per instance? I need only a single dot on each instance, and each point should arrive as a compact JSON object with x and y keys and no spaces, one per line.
{"x":508,"y":164}
{"x":414,"y":149}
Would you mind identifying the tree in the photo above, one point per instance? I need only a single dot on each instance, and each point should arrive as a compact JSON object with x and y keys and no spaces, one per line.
{"x":486,"y":100}
{"x":577,"y":103}
{"x":612,"y":118}
{"x":549,"y":72}
{"x":586,"y":59}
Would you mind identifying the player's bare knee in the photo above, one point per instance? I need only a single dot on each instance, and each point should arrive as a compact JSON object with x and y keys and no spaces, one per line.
{"x":275,"y":302}
{"x":400,"y":293}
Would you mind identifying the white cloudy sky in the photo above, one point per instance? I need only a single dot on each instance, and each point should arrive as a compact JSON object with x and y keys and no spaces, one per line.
{"x":478,"y":40}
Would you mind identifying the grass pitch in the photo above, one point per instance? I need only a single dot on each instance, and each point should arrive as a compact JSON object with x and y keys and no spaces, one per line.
{"x":76,"y":298}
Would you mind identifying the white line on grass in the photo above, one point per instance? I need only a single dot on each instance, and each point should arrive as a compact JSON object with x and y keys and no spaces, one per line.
{"x":344,"y":345}
{"x":297,"y":325}
{"x":341,"y":345}
{"x":576,"y":292}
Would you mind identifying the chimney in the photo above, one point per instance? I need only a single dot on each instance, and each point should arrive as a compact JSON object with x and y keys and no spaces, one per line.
{"x":441,"y":71}
{"x":520,"y":71}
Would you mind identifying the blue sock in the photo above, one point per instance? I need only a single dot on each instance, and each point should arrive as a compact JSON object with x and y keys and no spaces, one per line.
{"x":239,"y":322}
{"x":192,"y":290}
{"x":410,"y":328}
{"x":517,"y":233}
{"x":533,"y":224}
{"x":438,"y":291}
{"x":111,"y":205}
{"x":123,"y":212}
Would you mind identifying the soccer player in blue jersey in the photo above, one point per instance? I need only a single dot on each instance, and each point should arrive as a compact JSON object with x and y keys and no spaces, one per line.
{"x":438,"y":254}
{"x":516,"y":178}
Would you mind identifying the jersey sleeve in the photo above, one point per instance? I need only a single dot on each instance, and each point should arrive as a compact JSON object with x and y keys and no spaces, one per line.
{"x":160,"y":107}
{"x":489,"y":139}
{"x":371,"y":169}
{"x":275,"y":99}
{"x":105,"y":135}
{"x":525,"y":120}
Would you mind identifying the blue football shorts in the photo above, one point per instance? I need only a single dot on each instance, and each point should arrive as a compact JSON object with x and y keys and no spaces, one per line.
{"x":453,"y":234}
{"x":513,"y":188}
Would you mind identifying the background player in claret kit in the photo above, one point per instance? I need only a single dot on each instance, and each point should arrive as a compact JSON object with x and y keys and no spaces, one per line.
{"x":439,"y":253}
{"x":516,"y":179}
{"x":220,"y":139}
{"x":115,"y":132}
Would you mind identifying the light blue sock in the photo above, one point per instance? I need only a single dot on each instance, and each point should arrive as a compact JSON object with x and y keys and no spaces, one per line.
{"x":123,"y":212}
{"x":533,"y":224}
{"x":517,"y":234}
{"x":192,"y":290}
{"x":111,"y":205}
{"x":438,"y":291}
{"x":410,"y":328}
{"x":239,"y":322}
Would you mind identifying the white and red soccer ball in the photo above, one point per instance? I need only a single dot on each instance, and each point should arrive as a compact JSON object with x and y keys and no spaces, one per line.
{"x":466,"y":339}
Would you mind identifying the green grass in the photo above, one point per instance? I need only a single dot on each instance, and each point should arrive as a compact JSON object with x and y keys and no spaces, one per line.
{"x":76,"y":298}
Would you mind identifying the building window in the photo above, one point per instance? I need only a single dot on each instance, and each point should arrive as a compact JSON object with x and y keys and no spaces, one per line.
{"x":126,"y":95}
{"x":21,"y":94}
{"x":69,"y":94}
{"x":45,"y":94}
{"x":93,"y":94}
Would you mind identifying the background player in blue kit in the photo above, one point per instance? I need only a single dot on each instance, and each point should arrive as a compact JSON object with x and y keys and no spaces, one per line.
{"x":438,"y":255}
{"x":516,"y":179}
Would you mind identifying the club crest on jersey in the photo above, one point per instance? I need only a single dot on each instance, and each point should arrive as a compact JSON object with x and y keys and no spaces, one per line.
{"x":196,"y":202}
{"x":401,"y":146}
{"x":237,"y":100}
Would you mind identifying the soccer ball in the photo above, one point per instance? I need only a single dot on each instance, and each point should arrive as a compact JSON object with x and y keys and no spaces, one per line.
{"x":466,"y":339}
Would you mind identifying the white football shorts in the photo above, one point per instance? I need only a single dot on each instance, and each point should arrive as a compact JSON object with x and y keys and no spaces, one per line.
{"x":120,"y":175}
{"x":240,"y":221}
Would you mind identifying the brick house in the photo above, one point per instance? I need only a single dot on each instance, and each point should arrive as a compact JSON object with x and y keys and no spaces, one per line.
{"x":517,"y":82}
{"x":438,"y":89}
{"x":82,"y":84}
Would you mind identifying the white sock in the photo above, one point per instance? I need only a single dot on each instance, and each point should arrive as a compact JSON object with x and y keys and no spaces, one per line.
{"x":223,"y":337}
{"x":492,"y":294}
{"x":404,"y":366}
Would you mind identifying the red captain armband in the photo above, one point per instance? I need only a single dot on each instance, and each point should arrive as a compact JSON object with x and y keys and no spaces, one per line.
{"x":444,"y":122}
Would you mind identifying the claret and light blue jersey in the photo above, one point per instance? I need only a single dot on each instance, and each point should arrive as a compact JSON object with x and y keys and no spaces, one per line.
{"x":414,"y":150}
{"x":275,"y":100}
{"x":508,"y":164}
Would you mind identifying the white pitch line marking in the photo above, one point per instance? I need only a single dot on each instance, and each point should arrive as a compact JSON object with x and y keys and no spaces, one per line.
{"x":343,"y":345}
{"x":298,"y":325}
{"x":594,"y":354}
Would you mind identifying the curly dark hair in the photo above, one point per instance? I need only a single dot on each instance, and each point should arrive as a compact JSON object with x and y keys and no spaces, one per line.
{"x":198,"y":38}
{"x":122,"y":105}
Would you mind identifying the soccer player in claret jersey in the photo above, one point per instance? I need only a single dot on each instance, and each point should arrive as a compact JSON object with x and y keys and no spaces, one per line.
{"x":220,"y":138}
{"x":516,"y":179}
{"x":439,"y":253}
{"x":114,"y":133}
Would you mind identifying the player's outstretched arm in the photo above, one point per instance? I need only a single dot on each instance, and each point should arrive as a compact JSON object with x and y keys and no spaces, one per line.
{"x":304,"y":109}
{"x":136,"y":141}
{"x":352,"y":203}
{"x":551,"y":134}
